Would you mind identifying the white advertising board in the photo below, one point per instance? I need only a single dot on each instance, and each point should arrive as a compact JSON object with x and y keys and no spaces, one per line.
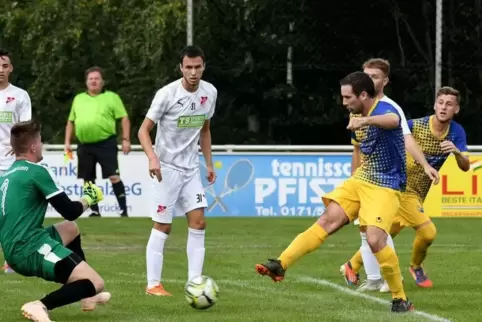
{"x":134,"y":174}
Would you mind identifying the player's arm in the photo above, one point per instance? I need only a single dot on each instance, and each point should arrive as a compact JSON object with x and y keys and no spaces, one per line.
{"x":158,"y":107}
{"x":25,"y":113}
{"x":411,"y":144}
{"x":67,"y":208}
{"x":416,"y":152}
{"x":145,"y":138}
{"x":463,"y":161}
{"x":205,"y":140}
{"x":205,"y":143}
{"x":46,"y":183}
{"x":388,"y":121}
{"x":154,"y":114}
{"x":69,"y":131}
{"x":461,"y":152}
{"x":355,"y":156}
{"x":413,"y":148}
{"x":69,"y":127}
{"x":120,"y":112}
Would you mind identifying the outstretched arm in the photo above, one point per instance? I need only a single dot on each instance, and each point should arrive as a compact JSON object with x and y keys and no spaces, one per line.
{"x":70,"y":210}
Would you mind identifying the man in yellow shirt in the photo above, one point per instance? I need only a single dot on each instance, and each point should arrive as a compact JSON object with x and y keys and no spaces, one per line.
{"x":93,"y":116}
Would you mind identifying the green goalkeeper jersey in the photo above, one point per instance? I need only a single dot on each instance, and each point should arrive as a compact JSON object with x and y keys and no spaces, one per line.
{"x":25,"y":189}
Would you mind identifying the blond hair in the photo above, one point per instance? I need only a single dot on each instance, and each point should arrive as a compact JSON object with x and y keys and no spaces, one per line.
{"x":378,"y":63}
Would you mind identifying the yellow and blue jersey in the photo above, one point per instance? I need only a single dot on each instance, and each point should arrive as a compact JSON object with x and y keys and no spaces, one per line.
{"x":382,"y":152}
{"x":418,"y":182}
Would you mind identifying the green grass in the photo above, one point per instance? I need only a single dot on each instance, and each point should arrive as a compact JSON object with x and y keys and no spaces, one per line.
{"x":116,"y":249}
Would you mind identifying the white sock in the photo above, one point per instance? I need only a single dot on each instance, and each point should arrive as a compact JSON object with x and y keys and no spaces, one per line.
{"x":372,"y":269}
{"x":195,"y":252}
{"x":390,"y":242}
{"x":155,"y":257}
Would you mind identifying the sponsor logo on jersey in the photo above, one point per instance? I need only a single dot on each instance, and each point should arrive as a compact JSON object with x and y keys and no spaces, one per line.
{"x":161,"y":209}
{"x":191,"y":121}
{"x":6,"y":117}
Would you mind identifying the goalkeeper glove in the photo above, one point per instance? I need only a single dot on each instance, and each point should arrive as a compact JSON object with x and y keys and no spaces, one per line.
{"x":91,"y":193}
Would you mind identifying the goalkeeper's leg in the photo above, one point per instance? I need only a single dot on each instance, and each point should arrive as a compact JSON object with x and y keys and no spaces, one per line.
{"x":68,"y":232}
{"x":79,"y":281}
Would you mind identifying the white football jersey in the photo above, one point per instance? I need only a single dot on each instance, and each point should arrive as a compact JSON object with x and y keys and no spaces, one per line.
{"x":403,"y":119}
{"x":180,"y":115}
{"x":15,"y":106}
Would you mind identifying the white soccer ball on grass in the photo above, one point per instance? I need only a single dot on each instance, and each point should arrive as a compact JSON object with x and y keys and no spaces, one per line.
{"x":201,"y":292}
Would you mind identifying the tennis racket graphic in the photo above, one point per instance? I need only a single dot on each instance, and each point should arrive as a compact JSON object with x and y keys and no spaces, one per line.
{"x":239,"y":175}
{"x":209,"y":189}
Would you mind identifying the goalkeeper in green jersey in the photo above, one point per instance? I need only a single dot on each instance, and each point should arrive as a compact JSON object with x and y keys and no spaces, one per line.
{"x":53,"y":253}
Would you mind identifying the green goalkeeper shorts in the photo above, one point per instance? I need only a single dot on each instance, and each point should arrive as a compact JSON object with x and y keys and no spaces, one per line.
{"x":42,"y":262}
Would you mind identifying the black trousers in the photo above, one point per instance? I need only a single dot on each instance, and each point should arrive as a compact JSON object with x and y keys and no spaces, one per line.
{"x":102,"y":152}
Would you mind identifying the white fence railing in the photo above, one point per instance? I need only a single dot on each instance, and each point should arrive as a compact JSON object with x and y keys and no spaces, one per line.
{"x":262,"y":148}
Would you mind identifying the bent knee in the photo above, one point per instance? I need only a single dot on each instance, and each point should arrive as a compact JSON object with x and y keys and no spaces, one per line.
{"x":165,"y":228}
{"x":333,"y":219}
{"x":199,"y":224}
{"x":68,"y":230}
{"x":196,"y":220}
{"x":376,"y":240}
{"x":69,"y":227}
{"x":427,"y":232}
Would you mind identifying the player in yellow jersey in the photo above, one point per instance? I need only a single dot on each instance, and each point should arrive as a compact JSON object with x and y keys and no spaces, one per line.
{"x":438,"y":135}
{"x":379,"y":71}
{"x":372,"y":194}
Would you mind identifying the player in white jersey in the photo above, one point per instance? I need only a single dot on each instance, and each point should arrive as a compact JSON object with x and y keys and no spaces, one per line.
{"x":379,"y":69}
{"x":15,"y":107}
{"x":182,"y":111}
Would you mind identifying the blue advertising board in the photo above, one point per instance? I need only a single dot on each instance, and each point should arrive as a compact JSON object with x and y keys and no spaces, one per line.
{"x":273,"y":185}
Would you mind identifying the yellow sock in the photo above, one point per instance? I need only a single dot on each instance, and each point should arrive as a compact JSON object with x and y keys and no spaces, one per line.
{"x":356,"y":262}
{"x":423,"y":239}
{"x":390,"y":269}
{"x":304,"y":243}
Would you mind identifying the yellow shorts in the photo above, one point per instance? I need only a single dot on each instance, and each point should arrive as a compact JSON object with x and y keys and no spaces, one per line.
{"x":410,"y":213}
{"x":371,"y":204}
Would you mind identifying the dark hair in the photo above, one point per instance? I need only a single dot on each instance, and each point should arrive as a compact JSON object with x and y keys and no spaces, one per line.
{"x":4,"y":53}
{"x":191,"y":52}
{"x":94,"y":69}
{"x":447,"y":90}
{"x":22,"y":134}
{"x":360,"y":82}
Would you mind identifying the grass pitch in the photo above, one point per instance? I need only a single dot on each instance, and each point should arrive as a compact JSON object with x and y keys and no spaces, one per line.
{"x":313,"y":289}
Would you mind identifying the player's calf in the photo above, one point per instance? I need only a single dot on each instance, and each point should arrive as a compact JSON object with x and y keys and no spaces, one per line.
{"x":195,"y":248}
{"x":70,"y":234}
{"x":424,"y":237}
{"x":332,"y":220}
{"x":79,"y":281}
{"x":389,"y":267}
{"x":155,"y":258}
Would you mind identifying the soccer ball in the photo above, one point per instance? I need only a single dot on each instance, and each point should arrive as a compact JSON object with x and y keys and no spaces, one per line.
{"x":201,"y":292}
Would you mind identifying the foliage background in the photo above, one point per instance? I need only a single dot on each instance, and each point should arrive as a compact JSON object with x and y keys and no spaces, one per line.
{"x":246,"y":43}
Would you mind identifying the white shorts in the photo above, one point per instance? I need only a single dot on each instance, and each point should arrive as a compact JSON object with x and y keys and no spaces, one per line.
{"x":177,"y":193}
{"x":356,"y":222}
